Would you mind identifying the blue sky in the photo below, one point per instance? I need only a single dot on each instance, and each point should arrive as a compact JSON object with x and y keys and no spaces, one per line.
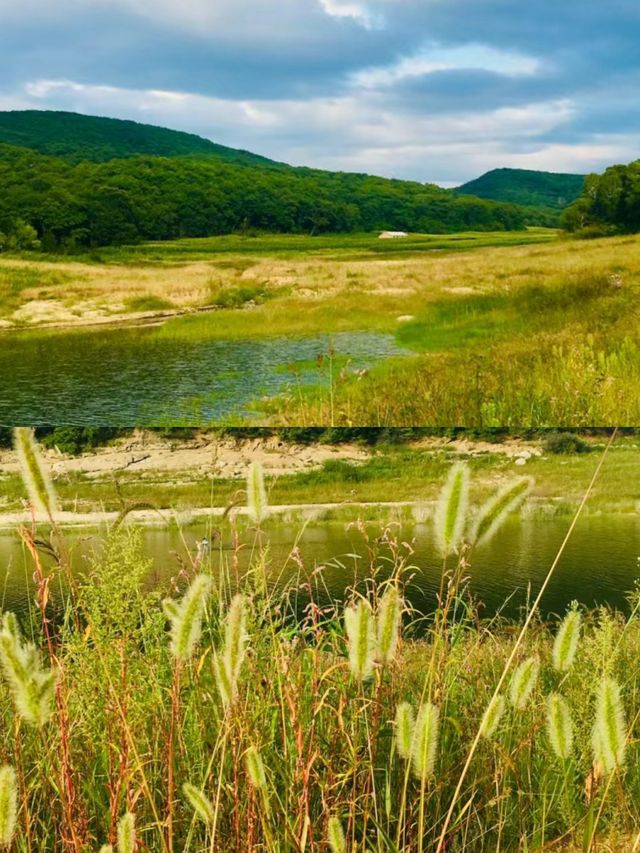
{"x":434,"y":90}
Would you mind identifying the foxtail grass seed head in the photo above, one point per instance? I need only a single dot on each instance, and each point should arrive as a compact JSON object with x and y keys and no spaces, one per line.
{"x":335,"y":836}
{"x":609,"y":736}
{"x":425,"y":741}
{"x":492,"y":514}
{"x":565,"y":644}
{"x":451,"y":510}
{"x":199,"y":802}
{"x":257,"y":503}
{"x":235,"y":637}
{"x":388,"y":624}
{"x":492,"y":717}
{"x":32,"y":686}
{"x":405,"y":727}
{"x":8,"y":805}
{"x":223,"y":683}
{"x":34,"y":472}
{"x":559,"y":726}
{"x":186,"y":617}
{"x":255,"y":769}
{"x":523,"y":682}
{"x":359,"y":624}
{"x":127,"y":833}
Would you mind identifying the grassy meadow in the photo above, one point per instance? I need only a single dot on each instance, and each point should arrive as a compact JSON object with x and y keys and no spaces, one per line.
{"x":202,"y":716}
{"x":278,"y":273}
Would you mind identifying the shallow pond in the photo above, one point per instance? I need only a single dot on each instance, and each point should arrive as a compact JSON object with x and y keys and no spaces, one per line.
{"x":599,"y":566}
{"x":138,"y":377}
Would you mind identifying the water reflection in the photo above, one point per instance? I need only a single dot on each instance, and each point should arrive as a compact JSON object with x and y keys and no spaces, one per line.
{"x":133,"y":376}
{"x":599,"y":566}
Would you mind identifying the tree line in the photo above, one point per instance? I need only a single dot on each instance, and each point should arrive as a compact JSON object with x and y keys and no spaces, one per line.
{"x":58,"y":205}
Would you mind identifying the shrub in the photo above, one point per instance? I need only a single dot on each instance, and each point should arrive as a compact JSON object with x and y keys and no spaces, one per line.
{"x":565,"y":443}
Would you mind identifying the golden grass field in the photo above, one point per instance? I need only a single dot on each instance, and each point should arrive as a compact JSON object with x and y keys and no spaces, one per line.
{"x":328,"y":284}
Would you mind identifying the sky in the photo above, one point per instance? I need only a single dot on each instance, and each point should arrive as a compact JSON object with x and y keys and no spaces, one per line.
{"x":431,"y":90}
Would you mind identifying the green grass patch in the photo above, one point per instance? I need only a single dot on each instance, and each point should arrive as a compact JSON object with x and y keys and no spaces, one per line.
{"x":149,"y":303}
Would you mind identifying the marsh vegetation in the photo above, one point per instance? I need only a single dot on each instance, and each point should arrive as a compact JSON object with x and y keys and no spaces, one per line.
{"x":221,"y":722}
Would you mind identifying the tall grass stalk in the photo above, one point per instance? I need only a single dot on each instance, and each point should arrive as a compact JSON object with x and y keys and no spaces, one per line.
{"x":359,"y":622}
{"x":451,"y":510}
{"x":566,"y":642}
{"x":127,"y":833}
{"x":559,"y":726}
{"x":492,"y":514}
{"x":8,"y":805}
{"x":520,"y":638}
{"x":325,"y":736}
{"x":609,"y":733}
{"x":34,"y":472}
{"x":335,"y":836}
{"x":523,"y":682}
{"x":388,"y":623}
{"x":257,"y":503}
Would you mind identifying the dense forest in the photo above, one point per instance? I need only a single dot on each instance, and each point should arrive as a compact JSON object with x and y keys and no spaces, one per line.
{"x":64,"y":205}
{"x":610,"y":202}
{"x":546,"y":194}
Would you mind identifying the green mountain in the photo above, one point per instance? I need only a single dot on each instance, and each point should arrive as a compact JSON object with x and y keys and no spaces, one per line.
{"x":70,"y":181}
{"x":79,"y":137}
{"x":526,"y":187}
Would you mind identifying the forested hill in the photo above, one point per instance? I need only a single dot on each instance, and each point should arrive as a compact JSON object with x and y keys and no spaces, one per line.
{"x":62,"y":205}
{"x":526,"y":187}
{"x":79,"y":137}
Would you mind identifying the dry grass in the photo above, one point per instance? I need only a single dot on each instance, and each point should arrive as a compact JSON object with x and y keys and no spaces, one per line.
{"x":341,"y":290}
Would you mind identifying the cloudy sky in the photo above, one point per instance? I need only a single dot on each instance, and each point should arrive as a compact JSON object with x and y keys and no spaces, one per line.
{"x":435,"y":90}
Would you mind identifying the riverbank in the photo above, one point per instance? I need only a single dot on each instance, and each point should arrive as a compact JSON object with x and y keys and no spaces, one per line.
{"x":206,"y":473}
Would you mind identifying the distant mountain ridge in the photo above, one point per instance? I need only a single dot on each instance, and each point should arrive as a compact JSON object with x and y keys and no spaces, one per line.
{"x":78,"y":137}
{"x":555,"y":190}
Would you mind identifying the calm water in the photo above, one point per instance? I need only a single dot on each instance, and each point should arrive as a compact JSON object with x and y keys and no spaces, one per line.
{"x":136,"y":376}
{"x":600,"y":565}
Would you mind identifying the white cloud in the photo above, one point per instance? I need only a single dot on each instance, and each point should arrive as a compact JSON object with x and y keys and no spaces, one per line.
{"x":356,"y":132}
{"x":355,"y":11}
{"x":428,"y":60}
